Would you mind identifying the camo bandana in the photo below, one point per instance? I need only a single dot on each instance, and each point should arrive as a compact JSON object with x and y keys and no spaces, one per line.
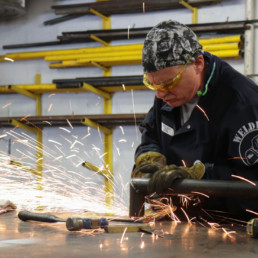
{"x":168,"y":44}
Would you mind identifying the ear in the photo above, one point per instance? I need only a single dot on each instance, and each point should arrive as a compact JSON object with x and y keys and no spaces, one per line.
{"x":199,"y":64}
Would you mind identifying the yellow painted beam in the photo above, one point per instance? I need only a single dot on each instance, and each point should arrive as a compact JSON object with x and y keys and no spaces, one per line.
{"x":101,"y":93}
{"x":235,"y":53}
{"x":193,"y":9}
{"x":218,"y":40}
{"x":37,"y":78}
{"x":94,"y":168}
{"x":112,"y":58}
{"x":23,"y":126}
{"x":94,"y":51}
{"x":24,"y":92}
{"x":93,"y":56}
{"x":39,"y":156}
{"x":91,"y":123}
{"x":107,"y":72}
{"x":93,"y":11}
{"x":224,"y":46}
{"x":38,"y":105}
{"x":108,"y":158}
{"x":29,"y":87}
{"x":25,"y":168}
{"x":104,"y":68}
{"x":107,"y":106}
{"x":39,"y":151}
{"x":99,"y":40}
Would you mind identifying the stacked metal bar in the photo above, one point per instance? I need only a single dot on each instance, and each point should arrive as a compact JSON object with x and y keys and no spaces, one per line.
{"x":97,"y":82}
{"x":71,"y":37}
{"x":103,"y":119}
{"x":126,"y":6}
{"x":107,"y":84}
{"x":224,"y":47}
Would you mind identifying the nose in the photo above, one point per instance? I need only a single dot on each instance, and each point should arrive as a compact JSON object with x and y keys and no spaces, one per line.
{"x":160,"y":94}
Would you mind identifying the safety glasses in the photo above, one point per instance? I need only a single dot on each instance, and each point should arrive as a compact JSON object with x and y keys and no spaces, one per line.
{"x":168,"y":85}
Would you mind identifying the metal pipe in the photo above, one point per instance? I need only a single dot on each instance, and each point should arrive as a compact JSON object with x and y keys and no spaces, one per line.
{"x":217,"y":188}
{"x":104,"y":81}
{"x":249,"y":40}
{"x":63,"y":18}
{"x":125,"y":6}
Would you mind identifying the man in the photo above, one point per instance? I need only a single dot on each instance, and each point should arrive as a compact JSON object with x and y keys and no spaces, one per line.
{"x":204,"y":120}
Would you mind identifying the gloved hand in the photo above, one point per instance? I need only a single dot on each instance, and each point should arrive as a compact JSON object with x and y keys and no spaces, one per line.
{"x":163,"y":178}
{"x":148,"y":163}
{"x":6,"y":205}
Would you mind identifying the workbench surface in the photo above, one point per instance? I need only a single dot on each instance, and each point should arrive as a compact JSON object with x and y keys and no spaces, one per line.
{"x":39,"y":239}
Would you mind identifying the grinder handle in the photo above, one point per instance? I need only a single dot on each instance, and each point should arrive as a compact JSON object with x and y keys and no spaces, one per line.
{"x":43,"y":217}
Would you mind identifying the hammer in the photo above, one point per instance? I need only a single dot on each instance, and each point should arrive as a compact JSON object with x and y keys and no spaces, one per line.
{"x":72,"y":223}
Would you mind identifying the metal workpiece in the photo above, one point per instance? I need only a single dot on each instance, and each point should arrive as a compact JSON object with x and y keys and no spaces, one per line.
{"x":39,"y":239}
{"x":214,"y":188}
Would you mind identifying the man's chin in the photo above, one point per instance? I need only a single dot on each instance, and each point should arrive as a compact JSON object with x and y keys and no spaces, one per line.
{"x":174,"y":103}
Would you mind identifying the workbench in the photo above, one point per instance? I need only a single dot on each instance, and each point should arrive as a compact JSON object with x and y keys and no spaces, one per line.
{"x":39,"y":239}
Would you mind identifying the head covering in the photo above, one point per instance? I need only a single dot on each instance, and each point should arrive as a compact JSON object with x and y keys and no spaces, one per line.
{"x":168,"y":44}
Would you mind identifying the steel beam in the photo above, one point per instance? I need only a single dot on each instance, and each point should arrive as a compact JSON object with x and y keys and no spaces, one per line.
{"x":214,"y":188}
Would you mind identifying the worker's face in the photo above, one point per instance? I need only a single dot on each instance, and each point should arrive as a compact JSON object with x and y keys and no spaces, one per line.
{"x":186,"y":87}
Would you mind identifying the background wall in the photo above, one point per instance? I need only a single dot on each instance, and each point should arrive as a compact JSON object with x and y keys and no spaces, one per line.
{"x":60,"y":142}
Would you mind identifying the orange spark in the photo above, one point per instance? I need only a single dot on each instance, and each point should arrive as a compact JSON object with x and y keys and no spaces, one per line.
{"x":143,"y":7}
{"x":183,"y":163}
{"x":49,"y":108}
{"x":25,"y":117}
{"x":7,"y":105}
{"x":189,"y":221}
{"x":228,"y":232}
{"x":47,"y":122}
{"x":202,"y":194}
{"x":69,"y":123}
{"x":142,"y":245}
{"x":236,"y":158}
{"x":85,"y":136}
{"x":49,"y":96}
{"x":203,"y":112}
{"x":62,"y":128}
{"x":256,"y":213}
{"x":8,"y":59}
{"x":122,"y":238}
{"x":70,"y":104}
{"x":244,"y":179}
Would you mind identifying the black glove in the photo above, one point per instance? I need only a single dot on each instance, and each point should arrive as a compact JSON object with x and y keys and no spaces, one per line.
{"x":148,"y":163}
{"x":164,"y":177}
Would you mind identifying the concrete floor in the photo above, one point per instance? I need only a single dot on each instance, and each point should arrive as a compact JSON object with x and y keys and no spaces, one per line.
{"x":39,"y":239}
